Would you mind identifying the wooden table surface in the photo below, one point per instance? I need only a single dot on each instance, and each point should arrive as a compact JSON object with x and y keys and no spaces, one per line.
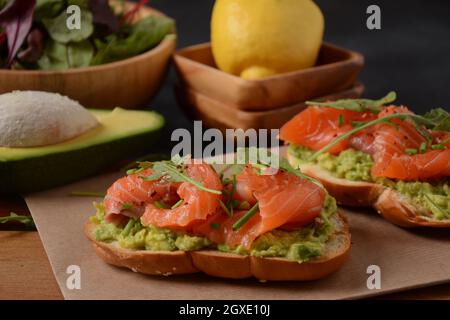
{"x":25,"y":272}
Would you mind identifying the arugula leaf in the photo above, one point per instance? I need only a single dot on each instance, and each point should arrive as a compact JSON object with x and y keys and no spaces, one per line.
{"x":439,"y":118}
{"x":16,"y":19}
{"x":286,"y":166}
{"x":144,"y":35}
{"x":358,"y":105}
{"x":170,"y":172}
{"x":58,"y":31}
{"x":61,"y":56}
{"x":88,"y":194}
{"x":26,"y":220}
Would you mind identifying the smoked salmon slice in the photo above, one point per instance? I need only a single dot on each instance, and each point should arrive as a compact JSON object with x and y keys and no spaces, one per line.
{"x":196,"y":204}
{"x":285,"y":201}
{"x":129,"y":195}
{"x":316,"y":127}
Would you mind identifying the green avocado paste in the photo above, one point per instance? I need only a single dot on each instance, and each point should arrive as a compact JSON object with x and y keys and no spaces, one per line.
{"x":299,"y":245}
{"x":355,"y":165}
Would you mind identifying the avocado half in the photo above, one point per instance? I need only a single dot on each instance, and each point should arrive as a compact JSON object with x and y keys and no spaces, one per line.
{"x":121,"y":134}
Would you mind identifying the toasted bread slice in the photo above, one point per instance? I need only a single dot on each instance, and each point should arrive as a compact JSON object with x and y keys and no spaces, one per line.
{"x":346,"y":192}
{"x":390,"y":204}
{"x":148,"y":262}
{"x":228,"y":265}
{"x":396,"y":208}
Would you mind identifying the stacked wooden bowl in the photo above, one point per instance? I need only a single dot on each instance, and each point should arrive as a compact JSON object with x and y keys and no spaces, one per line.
{"x":223,"y":100}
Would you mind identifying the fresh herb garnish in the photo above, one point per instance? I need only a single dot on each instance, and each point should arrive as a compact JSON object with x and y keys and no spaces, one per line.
{"x":88,"y":194}
{"x":434,"y":204}
{"x":437,"y":147}
{"x":341,"y":120}
{"x":179,"y":203}
{"x":134,"y":166}
{"x":172,"y":172}
{"x":385,"y":120}
{"x":358,"y":105}
{"x":411,"y":151}
{"x":161,"y":205}
{"x":440,"y":146}
{"x":26,"y":220}
{"x":439,"y":118}
{"x":423,"y":147}
{"x":244,"y":205}
{"x":215,"y":226}
{"x":126,"y":231}
{"x":230,"y":203}
{"x":126,"y":206}
{"x":244,"y":219}
{"x":225,"y":208}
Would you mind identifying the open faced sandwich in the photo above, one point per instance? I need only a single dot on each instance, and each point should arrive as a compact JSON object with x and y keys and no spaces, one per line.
{"x":178,"y":217}
{"x":368,"y":154}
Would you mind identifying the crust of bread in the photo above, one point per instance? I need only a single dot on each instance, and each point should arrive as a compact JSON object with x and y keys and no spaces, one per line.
{"x":346,"y":192}
{"x":395,"y":208}
{"x":148,"y":262}
{"x":390,"y":204}
{"x":228,"y":265}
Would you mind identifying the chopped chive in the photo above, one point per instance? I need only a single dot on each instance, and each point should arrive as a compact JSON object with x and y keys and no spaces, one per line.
{"x":126,"y":206}
{"x":215,"y":226}
{"x":224,"y":208}
{"x":341,"y":120}
{"x":161,"y":205}
{"x":244,"y":205}
{"x":128,"y":227}
{"x":384,"y":120}
{"x":233,"y":189}
{"x":357,"y":124}
{"x":411,"y":151}
{"x":174,"y":171}
{"x":88,"y":194}
{"x":176,"y":205}
{"x":437,"y":147}
{"x":244,"y":219}
{"x":446,"y":141}
{"x":134,"y":171}
{"x":434,"y":204}
{"x":423,"y":147}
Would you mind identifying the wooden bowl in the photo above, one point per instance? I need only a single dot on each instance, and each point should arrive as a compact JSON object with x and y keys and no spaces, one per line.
{"x":217,"y":114}
{"x":129,"y":83}
{"x":337,"y":69}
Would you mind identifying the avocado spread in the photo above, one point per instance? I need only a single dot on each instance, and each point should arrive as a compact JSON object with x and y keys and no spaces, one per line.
{"x":356,"y":165}
{"x":299,"y":245}
{"x":138,"y":237}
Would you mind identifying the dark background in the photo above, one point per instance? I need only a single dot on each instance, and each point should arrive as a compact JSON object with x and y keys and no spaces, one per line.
{"x":410,"y":54}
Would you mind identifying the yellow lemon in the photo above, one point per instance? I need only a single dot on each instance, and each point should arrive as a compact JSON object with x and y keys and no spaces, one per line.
{"x":259,"y":38}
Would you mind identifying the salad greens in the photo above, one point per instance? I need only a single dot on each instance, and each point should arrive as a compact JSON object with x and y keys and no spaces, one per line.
{"x":26,"y":220}
{"x":358,"y":105}
{"x":34,"y":33}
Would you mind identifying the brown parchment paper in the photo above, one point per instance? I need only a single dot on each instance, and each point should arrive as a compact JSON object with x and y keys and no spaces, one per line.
{"x":407,"y":258}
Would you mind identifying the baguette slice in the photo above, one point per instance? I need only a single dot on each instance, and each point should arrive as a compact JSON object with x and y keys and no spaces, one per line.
{"x":396,"y":208}
{"x":390,"y":204}
{"x":346,"y":192}
{"x":228,"y":265}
